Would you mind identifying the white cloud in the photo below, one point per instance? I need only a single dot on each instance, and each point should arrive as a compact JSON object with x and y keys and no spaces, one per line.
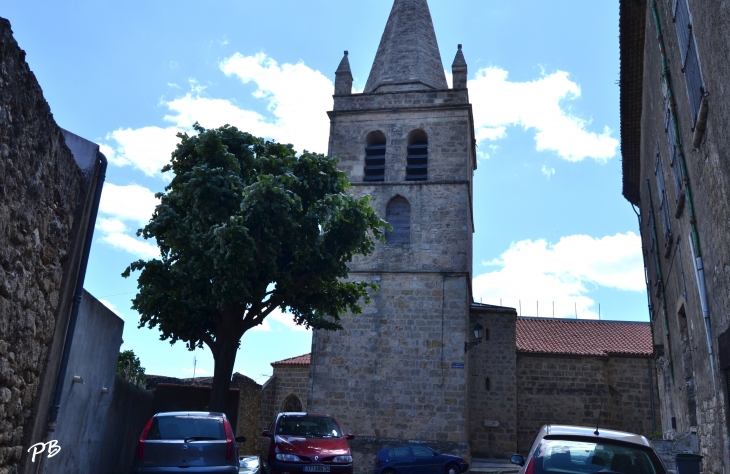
{"x":296,"y":96}
{"x":531,"y":271}
{"x":109,"y":305}
{"x":131,"y":203}
{"x":280,"y":319}
{"x":539,"y":105}
{"x":547,"y":171}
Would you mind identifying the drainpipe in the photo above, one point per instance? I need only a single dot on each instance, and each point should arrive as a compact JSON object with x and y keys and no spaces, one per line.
{"x":702,"y":288}
{"x":56,"y":406}
{"x":694,"y":237}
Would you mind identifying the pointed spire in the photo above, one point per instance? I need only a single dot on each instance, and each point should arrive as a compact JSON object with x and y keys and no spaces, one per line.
{"x":458,"y":70}
{"x":343,"y":77}
{"x":408,"y":56}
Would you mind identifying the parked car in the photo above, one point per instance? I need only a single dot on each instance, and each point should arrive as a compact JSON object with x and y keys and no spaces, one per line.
{"x":248,"y":465}
{"x":183,"y":441}
{"x":305,"y":442}
{"x":417,"y":460}
{"x":565,"y":449}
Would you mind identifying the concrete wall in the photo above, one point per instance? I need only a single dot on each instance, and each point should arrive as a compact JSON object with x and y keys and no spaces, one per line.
{"x":574,"y":390}
{"x":84,"y":406}
{"x":130,"y":409}
{"x":44,"y":207}
{"x":692,"y":394}
{"x":494,"y":359}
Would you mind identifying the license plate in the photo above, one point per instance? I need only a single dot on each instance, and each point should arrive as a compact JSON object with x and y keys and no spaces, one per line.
{"x":316,"y":469}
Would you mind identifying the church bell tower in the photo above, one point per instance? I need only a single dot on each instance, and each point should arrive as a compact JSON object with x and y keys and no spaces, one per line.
{"x":396,"y":373}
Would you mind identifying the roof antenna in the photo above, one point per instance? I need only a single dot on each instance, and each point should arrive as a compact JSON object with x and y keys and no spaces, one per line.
{"x":599,"y":419}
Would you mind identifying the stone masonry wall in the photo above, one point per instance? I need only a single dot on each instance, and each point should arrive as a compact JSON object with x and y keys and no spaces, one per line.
{"x":389,"y":373}
{"x":249,"y":413}
{"x":692,"y":394}
{"x":494,"y":359}
{"x":573,"y":390}
{"x":41,"y":195}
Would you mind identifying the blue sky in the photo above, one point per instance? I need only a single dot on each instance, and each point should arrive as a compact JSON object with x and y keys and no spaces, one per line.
{"x":551,"y":225}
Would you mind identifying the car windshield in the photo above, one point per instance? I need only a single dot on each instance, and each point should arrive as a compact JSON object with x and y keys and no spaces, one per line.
{"x":308,"y":427}
{"x":187,"y":427}
{"x":569,"y":456}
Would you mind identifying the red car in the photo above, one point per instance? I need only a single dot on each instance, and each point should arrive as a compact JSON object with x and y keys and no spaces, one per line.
{"x":305,"y":442}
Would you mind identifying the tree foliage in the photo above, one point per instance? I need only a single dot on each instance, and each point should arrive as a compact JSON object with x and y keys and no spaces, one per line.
{"x":244,"y":227}
{"x":130,"y":369}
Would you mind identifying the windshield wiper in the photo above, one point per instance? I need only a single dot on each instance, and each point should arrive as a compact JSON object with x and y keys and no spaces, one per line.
{"x":199,"y":438}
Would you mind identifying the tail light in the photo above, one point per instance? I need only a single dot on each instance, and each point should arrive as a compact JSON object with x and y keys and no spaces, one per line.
{"x":143,"y":438}
{"x":229,"y":439}
{"x":530,"y":466}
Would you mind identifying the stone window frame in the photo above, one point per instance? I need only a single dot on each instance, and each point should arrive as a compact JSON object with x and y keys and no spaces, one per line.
{"x":400,"y":234}
{"x":417,"y":145}
{"x":376,"y":147}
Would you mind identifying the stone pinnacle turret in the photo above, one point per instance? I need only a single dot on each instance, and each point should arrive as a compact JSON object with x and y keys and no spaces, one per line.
{"x":343,"y":77}
{"x":408,"y":56}
{"x":458,"y":70}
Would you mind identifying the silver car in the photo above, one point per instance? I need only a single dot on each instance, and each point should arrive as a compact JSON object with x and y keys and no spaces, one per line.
{"x":189,"y":442}
{"x":562,"y":449}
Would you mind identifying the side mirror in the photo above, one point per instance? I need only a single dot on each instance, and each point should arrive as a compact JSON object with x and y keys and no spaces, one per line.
{"x":517,"y":459}
{"x":266,"y":433}
{"x":240,"y":439}
{"x":350,"y":436}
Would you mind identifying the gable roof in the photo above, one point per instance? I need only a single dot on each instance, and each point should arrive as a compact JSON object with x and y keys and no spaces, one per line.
{"x":583,"y":337}
{"x":408,"y":54}
{"x":298,"y":360}
{"x":632,"y":32}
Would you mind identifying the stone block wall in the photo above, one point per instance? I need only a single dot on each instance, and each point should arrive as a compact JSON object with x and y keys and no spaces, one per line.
{"x":44,"y":206}
{"x":389,"y":373}
{"x":494,"y":360}
{"x":577,"y":390}
{"x":249,"y":413}
{"x":287,"y":381}
{"x":692,"y":393}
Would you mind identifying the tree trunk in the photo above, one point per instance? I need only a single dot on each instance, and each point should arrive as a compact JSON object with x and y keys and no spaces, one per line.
{"x":225,"y":357}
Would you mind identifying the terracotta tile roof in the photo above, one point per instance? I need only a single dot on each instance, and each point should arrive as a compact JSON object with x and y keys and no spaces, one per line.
{"x":583,"y":337}
{"x":632,"y":26}
{"x":299,"y":360}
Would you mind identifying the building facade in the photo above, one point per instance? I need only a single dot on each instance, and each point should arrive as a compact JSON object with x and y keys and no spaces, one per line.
{"x":674,"y":122}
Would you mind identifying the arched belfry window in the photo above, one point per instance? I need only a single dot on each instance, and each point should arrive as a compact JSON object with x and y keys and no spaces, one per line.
{"x":291,"y":403}
{"x":398,"y":215}
{"x":417,"y":160}
{"x":374,"y":157}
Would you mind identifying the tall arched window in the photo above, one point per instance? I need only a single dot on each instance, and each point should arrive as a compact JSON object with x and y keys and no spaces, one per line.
{"x":374,"y":157}
{"x":291,"y":403}
{"x":398,"y":215}
{"x":417,"y":160}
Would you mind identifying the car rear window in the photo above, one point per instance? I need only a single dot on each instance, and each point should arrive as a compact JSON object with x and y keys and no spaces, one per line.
{"x":308,"y":427}
{"x":571,"y":456}
{"x":187,"y":426}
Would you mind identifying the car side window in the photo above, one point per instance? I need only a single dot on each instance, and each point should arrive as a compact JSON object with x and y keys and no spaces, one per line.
{"x":421,"y":452}
{"x":401,"y":452}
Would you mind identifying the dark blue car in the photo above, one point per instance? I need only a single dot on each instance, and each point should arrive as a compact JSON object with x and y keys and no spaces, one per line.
{"x":417,"y":460}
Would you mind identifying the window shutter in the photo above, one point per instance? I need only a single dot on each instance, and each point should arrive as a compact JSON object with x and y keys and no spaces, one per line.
{"x":374,"y":163}
{"x":683,"y":26}
{"x":690,"y":58}
{"x":663,"y":202}
{"x":417,"y":162}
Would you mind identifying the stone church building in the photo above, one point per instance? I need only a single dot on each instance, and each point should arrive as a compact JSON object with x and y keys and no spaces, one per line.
{"x":400,"y":372}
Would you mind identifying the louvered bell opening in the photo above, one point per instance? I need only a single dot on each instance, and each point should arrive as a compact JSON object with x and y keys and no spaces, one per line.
{"x":417,"y":162}
{"x":374,"y":163}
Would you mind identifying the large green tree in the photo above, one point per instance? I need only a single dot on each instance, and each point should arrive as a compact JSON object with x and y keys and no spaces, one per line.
{"x":247,"y":226}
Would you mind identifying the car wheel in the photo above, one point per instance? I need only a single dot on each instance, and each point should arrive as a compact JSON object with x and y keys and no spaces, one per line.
{"x":452,"y":469}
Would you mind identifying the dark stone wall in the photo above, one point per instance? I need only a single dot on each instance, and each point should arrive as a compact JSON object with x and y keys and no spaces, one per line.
{"x":130,"y":409}
{"x":692,"y":393}
{"x":249,"y":413}
{"x":43,"y":201}
{"x":576,"y":390}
